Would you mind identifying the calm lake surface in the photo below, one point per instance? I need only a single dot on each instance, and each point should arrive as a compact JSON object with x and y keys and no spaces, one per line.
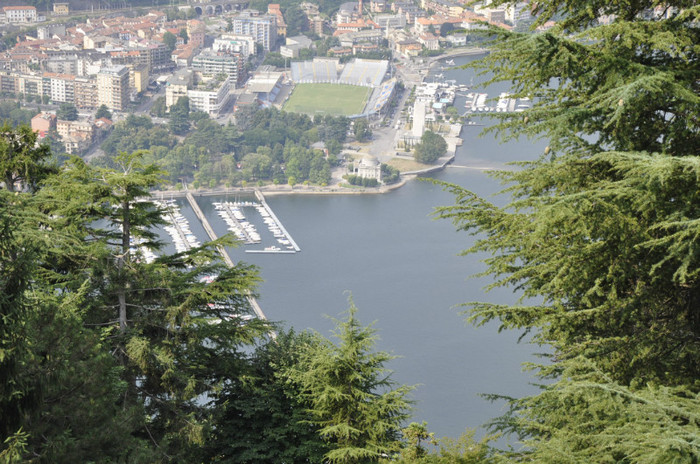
{"x":405,"y":274}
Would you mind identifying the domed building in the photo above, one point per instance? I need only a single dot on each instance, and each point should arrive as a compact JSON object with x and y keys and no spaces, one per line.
{"x":368,"y":167}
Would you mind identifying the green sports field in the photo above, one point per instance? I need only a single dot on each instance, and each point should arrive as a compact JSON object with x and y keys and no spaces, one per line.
{"x":335,"y":99}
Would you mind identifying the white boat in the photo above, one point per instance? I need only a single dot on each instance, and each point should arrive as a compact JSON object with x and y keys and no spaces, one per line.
{"x":450,"y":62}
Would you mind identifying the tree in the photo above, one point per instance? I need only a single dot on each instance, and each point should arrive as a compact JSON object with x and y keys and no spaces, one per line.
{"x":22,"y":163}
{"x":601,"y":233}
{"x":67,"y":112}
{"x":297,"y":22}
{"x":179,"y":116}
{"x":431,"y":147}
{"x":170,"y":40}
{"x":263,"y":418}
{"x":183,"y":35}
{"x":362,"y":130}
{"x":103,"y":112}
{"x":355,"y":404}
{"x":159,"y":313}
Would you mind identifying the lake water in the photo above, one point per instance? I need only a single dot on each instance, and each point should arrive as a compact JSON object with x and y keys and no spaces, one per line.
{"x":404,"y":272}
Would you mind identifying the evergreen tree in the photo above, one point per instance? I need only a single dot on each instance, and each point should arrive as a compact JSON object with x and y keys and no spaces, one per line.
{"x":67,"y":112}
{"x":601,"y":234}
{"x":354,"y":402}
{"x":159,"y":313}
{"x":103,"y":112}
{"x":23,"y":164}
{"x":260,"y":417}
{"x":180,"y":116}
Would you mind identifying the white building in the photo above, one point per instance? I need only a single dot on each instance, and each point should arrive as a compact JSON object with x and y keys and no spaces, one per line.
{"x":230,"y":43}
{"x":19,"y":14}
{"x":263,"y":28}
{"x":210,"y":97}
{"x":368,"y":168}
{"x":59,"y":87}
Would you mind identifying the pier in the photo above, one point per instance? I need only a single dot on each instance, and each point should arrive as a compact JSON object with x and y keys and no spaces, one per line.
{"x":261,"y":198}
{"x":222,"y":251}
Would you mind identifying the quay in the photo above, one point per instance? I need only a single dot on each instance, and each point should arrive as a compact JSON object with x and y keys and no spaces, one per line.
{"x":222,"y":251}
{"x":261,"y":198}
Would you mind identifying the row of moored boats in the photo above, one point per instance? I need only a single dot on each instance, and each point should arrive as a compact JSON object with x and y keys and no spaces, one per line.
{"x":178,"y":227}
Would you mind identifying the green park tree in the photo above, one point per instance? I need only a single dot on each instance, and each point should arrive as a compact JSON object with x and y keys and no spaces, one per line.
{"x":431,"y":147}
{"x":353,"y":401}
{"x":601,"y":233}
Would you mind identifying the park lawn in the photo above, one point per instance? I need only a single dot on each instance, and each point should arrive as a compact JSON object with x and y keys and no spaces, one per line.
{"x":334,"y":99}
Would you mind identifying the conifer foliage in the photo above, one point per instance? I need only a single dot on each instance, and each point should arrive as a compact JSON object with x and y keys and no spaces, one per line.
{"x":603,"y":231}
{"x":353,"y":401}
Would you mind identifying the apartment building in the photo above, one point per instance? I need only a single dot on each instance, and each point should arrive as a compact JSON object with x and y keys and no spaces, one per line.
{"x":85,"y":92}
{"x":210,"y":96}
{"x":211,"y":63}
{"x":263,"y":28}
{"x":113,"y":87}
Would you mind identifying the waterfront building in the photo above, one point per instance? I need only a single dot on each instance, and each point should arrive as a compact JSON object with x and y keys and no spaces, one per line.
{"x":367,"y":168}
{"x":113,"y":87}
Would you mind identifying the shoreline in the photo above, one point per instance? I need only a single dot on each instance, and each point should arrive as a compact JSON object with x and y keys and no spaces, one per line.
{"x":274,"y":190}
{"x":338,"y":189}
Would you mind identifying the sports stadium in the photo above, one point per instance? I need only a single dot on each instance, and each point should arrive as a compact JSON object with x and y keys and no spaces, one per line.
{"x":356,"y":89}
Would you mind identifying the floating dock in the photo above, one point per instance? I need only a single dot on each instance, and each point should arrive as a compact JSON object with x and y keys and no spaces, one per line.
{"x":222,"y":251}
{"x":261,"y":198}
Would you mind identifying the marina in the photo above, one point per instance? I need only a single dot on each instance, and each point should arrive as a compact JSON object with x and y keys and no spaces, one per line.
{"x":177,"y":226}
{"x":232,"y":214}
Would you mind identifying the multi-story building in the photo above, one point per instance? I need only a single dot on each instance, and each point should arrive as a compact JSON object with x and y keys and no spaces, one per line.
{"x":274,"y":9}
{"x":32,"y":85}
{"x":195,"y":32}
{"x":177,"y":85}
{"x":113,"y":87}
{"x":19,"y":14}
{"x":59,"y":87}
{"x":9,"y":83}
{"x":138,"y":77}
{"x":263,"y":28}
{"x":211,"y":63}
{"x":243,"y":44}
{"x":85,"y":92}
{"x":210,"y":96}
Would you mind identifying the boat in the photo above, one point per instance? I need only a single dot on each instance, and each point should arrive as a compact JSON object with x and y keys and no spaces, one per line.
{"x":440,"y":76}
{"x":450,"y":62}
